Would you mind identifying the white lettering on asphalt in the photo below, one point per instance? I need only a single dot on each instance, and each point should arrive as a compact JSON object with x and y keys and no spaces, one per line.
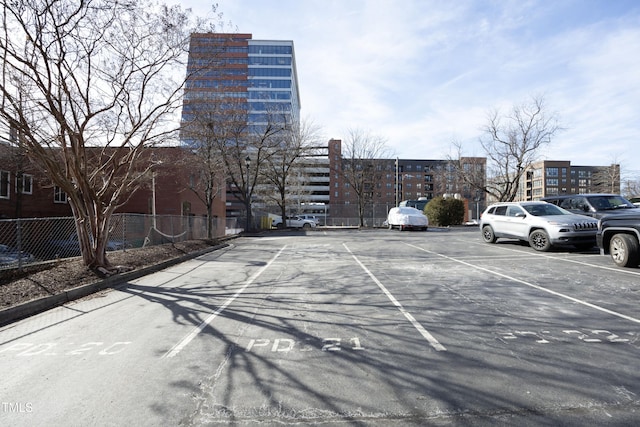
{"x":57,"y":349}
{"x":430,"y":338}
{"x":288,"y":344}
{"x":541,"y":288}
{"x":187,"y":339}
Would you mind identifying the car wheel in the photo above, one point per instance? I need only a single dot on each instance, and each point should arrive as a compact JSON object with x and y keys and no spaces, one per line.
{"x":306,"y":225}
{"x":280,"y":226}
{"x":624,"y":250}
{"x":488,"y":235}
{"x":539,"y":240}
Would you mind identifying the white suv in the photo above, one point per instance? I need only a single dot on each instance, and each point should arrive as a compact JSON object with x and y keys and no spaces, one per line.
{"x":542,"y":224}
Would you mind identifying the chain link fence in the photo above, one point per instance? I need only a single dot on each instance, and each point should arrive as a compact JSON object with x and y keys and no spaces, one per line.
{"x":336,"y":215}
{"x":33,"y":240}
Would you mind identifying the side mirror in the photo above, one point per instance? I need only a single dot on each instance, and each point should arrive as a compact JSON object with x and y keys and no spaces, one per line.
{"x":520,"y":215}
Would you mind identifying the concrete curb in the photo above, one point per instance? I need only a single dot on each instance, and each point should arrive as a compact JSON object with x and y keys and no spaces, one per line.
{"x":27,"y":309}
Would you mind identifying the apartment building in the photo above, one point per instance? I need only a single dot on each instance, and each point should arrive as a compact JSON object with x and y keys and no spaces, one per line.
{"x":557,"y":177}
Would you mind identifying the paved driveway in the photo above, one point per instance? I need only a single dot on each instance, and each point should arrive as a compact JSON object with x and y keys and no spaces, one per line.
{"x":340,"y":328}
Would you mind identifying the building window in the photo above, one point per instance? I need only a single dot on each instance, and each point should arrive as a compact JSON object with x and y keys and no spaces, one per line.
{"x":552,"y":181}
{"x":552,"y":171}
{"x":26,"y":185}
{"x":59,"y":196}
{"x":4,"y":184}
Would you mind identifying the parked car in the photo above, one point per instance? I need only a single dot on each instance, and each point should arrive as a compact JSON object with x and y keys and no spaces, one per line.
{"x":619,"y":236}
{"x":11,"y":255}
{"x":594,"y":205}
{"x":294,"y":222}
{"x":542,"y":224}
{"x":70,"y":246}
{"x":313,"y":218}
{"x":405,"y":218}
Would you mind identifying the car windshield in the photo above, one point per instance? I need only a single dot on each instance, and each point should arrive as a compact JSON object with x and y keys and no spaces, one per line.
{"x":610,"y":202}
{"x":545,"y":210}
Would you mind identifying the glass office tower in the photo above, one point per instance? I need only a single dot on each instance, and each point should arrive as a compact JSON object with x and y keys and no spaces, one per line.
{"x":234,"y":68}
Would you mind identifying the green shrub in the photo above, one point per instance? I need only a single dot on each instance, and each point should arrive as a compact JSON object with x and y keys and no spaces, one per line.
{"x":444,"y":212}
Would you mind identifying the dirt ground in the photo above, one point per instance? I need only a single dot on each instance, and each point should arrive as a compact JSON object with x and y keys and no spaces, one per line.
{"x":66,"y":274}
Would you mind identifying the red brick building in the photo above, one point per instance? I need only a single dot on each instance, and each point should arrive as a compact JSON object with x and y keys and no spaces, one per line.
{"x":26,"y":192}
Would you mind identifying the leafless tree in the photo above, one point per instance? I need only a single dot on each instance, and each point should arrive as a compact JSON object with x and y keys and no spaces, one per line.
{"x":631,"y":187}
{"x":283,"y":171}
{"x":470,"y":172}
{"x":360,"y":151}
{"x":90,"y":86}
{"x":514,"y":141}
{"x":606,"y":179}
{"x":244,"y":149}
{"x":207,"y":131}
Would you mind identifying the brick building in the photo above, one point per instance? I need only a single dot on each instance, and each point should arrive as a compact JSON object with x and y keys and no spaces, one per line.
{"x":558,"y":177}
{"x":395,"y":180}
{"x":26,"y":192}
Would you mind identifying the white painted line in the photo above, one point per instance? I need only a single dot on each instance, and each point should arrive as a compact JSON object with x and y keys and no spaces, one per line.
{"x":570,"y":298}
{"x":187,"y":339}
{"x":574,"y":261}
{"x":430,"y":338}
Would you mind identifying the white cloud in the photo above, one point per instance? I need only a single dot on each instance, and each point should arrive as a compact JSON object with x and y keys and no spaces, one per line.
{"x":424,"y":73}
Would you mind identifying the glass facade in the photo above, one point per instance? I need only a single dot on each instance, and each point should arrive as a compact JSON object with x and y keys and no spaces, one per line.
{"x":234,"y":66}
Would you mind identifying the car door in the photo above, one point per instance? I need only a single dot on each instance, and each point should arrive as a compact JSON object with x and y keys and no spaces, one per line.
{"x":498,"y":221}
{"x":516,"y":222}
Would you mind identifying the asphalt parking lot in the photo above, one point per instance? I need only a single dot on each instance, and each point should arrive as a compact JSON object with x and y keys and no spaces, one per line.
{"x":341,"y":328}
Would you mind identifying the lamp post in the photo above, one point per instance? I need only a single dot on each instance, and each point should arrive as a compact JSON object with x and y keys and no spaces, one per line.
{"x":247,"y":163}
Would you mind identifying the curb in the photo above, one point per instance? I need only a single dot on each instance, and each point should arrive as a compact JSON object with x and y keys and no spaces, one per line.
{"x":30,"y":308}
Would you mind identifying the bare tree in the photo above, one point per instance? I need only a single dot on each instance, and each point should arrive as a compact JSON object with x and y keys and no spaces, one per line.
{"x":207,"y":132}
{"x":244,"y":149}
{"x":360,"y":151}
{"x":606,"y":179}
{"x":512,"y":142}
{"x":470,"y":172}
{"x":283,"y":170}
{"x":90,"y":86}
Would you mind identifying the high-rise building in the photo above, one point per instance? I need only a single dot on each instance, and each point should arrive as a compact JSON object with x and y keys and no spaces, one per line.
{"x":232,"y":77}
{"x":236,"y":68}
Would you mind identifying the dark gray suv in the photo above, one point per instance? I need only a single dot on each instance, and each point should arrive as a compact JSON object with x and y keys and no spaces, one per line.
{"x":594,"y":205}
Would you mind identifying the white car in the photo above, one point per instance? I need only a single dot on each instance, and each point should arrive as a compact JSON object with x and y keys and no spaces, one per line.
{"x":294,"y":222}
{"x":405,"y":218}
{"x":541,"y":224}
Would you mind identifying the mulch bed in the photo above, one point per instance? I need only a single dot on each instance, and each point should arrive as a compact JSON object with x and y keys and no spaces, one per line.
{"x":57,"y":277}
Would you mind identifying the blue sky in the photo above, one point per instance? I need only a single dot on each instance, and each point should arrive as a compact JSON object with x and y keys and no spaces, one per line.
{"x":426,"y":73}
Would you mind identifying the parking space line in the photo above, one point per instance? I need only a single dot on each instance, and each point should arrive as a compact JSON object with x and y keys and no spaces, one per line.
{"x":430,"y":338}
{"x":559,"y":294}
{"x":601,"y":267}
{"x":187,"y":339}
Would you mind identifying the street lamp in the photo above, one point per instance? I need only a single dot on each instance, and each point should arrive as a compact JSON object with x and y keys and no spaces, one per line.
{"x":247,"y":163}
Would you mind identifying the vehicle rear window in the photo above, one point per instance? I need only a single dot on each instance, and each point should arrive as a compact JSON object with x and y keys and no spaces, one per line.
{"x":500,"y":210}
